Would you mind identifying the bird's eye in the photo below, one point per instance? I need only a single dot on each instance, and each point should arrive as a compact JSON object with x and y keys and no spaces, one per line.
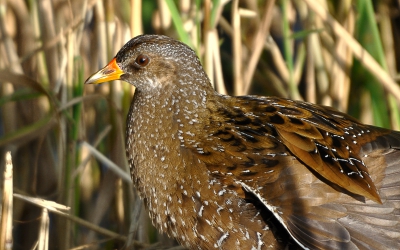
{"x":142,"y":60}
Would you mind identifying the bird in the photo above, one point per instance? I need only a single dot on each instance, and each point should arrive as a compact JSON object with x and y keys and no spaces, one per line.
{"x":251,"y":172}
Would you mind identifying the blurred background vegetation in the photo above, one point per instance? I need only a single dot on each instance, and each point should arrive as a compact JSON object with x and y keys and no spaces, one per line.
{"x":341,"y":53}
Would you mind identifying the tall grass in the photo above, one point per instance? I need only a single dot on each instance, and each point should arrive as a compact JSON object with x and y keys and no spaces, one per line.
{"x":62,"y":135}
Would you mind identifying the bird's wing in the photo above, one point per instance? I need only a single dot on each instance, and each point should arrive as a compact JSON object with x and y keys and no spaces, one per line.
{"x":305,"y":167}
{"x":328,"y":142}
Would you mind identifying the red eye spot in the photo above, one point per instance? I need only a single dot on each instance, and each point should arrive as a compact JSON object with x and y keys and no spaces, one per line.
{"x":142,"y":60}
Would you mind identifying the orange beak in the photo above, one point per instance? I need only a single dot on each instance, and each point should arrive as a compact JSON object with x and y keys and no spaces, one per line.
{"x":110,"y":72}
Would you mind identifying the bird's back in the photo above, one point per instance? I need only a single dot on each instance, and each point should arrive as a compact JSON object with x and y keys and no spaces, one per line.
{"x":270,"y":147}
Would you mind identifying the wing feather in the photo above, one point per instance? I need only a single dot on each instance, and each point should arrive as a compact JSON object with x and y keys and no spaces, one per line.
{"x":311,"y":167}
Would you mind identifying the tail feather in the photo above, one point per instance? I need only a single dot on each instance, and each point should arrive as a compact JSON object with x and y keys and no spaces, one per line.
{"x":372,"y":225}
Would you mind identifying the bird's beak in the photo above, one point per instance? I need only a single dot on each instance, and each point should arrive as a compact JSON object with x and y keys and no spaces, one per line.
{"x":110,"y":72}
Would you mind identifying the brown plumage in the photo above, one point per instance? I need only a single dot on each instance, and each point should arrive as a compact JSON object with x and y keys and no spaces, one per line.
{"x":251,"y":172}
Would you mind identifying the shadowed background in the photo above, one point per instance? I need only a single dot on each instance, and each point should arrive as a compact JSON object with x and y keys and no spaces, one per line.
{"x":300,"y":49}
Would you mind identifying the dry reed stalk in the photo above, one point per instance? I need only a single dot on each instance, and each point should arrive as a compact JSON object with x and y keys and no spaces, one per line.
{"x":48,"y":32}
{"x":310,"y":94}
{"x":215,"y":52}
{"x":208,"y":42}
{"x":237,"y":49}
{"x":9,"y":57}
{"x":388,"y":43}
{"x":258,"y":45}
{"x":43,"y":239}
{"x":6,"y":238}
{"x":136,"y":17}
{"x":340,"y":71}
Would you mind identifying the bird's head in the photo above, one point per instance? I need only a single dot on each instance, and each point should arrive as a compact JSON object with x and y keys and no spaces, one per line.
{"x":152,"y":62}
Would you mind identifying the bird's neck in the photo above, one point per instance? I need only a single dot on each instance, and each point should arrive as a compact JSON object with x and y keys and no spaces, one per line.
{"x":156,"y":130}
{"x":160,"y":164}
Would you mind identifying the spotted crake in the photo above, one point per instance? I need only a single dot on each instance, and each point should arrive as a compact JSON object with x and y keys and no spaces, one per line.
{"x":251,"y":172}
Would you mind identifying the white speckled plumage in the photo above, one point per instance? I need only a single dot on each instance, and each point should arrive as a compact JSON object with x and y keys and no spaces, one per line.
{"x":221,"y":172}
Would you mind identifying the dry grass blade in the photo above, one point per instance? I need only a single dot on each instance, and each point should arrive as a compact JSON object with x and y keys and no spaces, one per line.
{"x":117,"y":170}
{"x":6,"y":239}
{"x":42,"y":125}
{"x":56,"y":209}
{"x":24,"y":81}
{"x":49,"y":205}
{"x":359,"y":52}
{"x":29,"y":132}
